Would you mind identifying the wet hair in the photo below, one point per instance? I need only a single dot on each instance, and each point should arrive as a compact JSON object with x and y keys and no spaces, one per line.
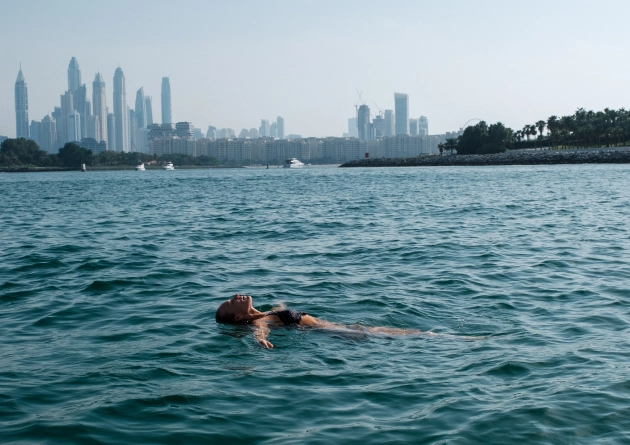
{"x":223,"y":317}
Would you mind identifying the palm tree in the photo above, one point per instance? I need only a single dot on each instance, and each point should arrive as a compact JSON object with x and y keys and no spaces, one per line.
{"x":541,"y":127}
{"x":566,"y":127}
{"x":552,"y":127}
{"x":612,"y":116}
{"x":451,"y":144}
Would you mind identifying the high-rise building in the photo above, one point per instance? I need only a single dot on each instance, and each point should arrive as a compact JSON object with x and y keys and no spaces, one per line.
{"x":389,"y":123}
{"x":212,"y":132}
{"x":273,"y":130}
{"x":167,"y":117}
{"x":74,"y":126}
{"x":74,"y":75}
{"x":413,"y":127}
{"x":148,"y":109}
{"x":184,"y":130}
{"x":353,"y":128}
{"x":120,"y":112}
{"x":133,"y":129}
{"x":48,"y":134}
{"x":83,"y":106}
{"x":141,"y":114}
{"x":423,"y":126}
{"x":33,"y":131}
{"x":21,"y":106}
{"x":99,"y":106}
{"x":378,"y":123}
{"x":264,"y":128}
{"x":67,"y":107}
{"x":280,"y":123}
{"x":93,"y":128}
{"x":363,"y":122}
{"x":57,"y":117}
{"x":401,"y":107}
{"x":111,"y":132}
{"x":80,"y":101}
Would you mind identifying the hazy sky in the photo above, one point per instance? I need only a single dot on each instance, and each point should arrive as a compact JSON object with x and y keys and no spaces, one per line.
{"x":234,"y":62}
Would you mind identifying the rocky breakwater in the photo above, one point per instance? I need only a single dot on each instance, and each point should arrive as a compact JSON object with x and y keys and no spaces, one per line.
{"x":507,"y":158}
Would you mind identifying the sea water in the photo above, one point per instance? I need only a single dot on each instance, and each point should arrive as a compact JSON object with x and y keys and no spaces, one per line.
{"x":109,"y":282}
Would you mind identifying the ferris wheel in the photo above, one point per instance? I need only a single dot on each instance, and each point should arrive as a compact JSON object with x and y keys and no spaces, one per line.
{"x":469,"y":121}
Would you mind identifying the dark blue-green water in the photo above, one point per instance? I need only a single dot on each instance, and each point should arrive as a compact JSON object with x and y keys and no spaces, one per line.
{"x":109,"y":282}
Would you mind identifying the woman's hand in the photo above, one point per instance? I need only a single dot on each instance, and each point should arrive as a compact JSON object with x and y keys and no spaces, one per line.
{"x":265,"y":344}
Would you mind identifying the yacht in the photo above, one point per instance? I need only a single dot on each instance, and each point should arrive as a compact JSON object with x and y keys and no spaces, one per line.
{"x":293,"y":163}
{"x":168,"y":166}
{"x":140,"y":167}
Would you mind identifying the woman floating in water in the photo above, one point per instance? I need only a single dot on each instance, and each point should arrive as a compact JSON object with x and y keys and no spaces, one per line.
{"x":239,"y":310}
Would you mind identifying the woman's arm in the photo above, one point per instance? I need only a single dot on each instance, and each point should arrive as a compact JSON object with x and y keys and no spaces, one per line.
{"x":261,"y":331}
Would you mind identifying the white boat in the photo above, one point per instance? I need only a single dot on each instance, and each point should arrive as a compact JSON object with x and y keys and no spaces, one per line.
{"x":140,"y":167}
{"x":168,"y":166}
{"x":293,"y":163}
{"x":83,"y":169}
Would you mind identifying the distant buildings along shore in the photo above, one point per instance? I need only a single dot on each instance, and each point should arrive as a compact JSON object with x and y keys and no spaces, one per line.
{"x":390,"y":133}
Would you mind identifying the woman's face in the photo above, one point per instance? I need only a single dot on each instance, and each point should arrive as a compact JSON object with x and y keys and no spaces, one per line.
{"x":239,"y":305}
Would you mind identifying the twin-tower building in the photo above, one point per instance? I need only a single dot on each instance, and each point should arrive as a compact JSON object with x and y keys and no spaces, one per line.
{"x":79,"y":119}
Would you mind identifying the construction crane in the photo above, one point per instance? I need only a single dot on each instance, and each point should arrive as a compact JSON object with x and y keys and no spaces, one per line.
{"x":380,"y":110}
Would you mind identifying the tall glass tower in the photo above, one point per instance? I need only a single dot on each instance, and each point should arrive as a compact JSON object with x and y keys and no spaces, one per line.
{"x":99,"y":105}
{"x":21,"y":107}
{"x":148,"y":108}
{"x":401,"y":112}
{"x":389,"y":123}
{"x":120,"y":112}
{"x":141,"y":112}
{"x":74,"y":75}
{"x":167,"y":118}
{"x":280,"y":125}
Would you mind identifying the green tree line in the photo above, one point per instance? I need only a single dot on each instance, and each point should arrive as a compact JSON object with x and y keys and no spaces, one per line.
{"x":25,"y":152}
{"x":607,"y":128}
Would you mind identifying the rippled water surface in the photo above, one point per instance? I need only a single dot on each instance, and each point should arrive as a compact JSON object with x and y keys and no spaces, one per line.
{"x":109,"y":282}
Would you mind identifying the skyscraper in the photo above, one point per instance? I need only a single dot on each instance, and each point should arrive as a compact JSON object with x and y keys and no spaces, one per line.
{"x":167,"y":118}
{"x":280,"y":123}
{"x":423,"y":126}
{"x":413,"y":127}
{"x":363,"y":122}
{"x":401,"y":107}
{"x":389,"y":123}
{"x":111,"y":132}
{"x":264,"y":128}
{"x":80,"y":101}
{"x":21,"y":106}
{"x":148,"y":108}
{"x":67,"y":107}
{"x":74,"y":75}
{"x":133,"y":129}
{"x":99,"y":105}
{"x":48,"y":134}
{"x":141,"y":114}
{"x":353,"y":128}
{"x":74,"y":126}
{"x":378,"y":124}
{"x":120,"y":112}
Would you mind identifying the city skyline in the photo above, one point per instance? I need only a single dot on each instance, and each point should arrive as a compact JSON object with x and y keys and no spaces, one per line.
{"x":455,"y":60}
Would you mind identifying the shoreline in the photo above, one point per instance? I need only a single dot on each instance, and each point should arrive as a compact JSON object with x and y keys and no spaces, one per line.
{"x":541,"y":157}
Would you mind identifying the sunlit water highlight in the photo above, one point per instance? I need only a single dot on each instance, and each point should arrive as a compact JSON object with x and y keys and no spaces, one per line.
{"x":109,"y":282}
